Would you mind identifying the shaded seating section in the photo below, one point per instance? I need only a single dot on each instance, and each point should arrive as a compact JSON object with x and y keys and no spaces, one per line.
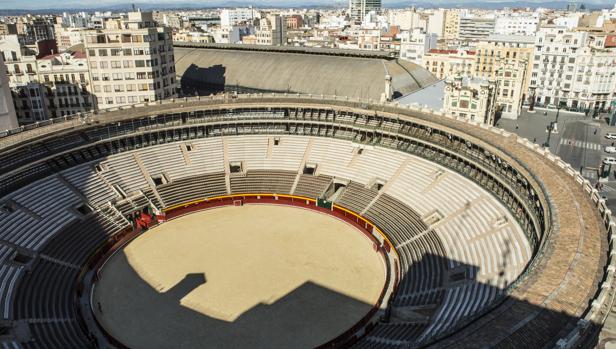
{"x":80,"y":238}
{"x":188,"y":189}
{"x":45,"y":299}
{"x":9,"y":273}
{"x":255,"y":181}
{"x":311,"y":186}
{"x":57,"y":334}
{"x":38,"y":212}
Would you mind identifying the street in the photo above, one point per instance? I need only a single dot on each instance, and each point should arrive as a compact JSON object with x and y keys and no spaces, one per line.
{"x":578,"y":140}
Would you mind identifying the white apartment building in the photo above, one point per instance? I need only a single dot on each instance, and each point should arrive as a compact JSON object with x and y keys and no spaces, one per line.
{"x":231,"y":17}
{"x":8,"y":117}
{"x":594,"y":80}
{"x":436,"y":22}
{"x":67,"y":37}
{"x":406,"y":19}
{"x":66,"y":81}
{"x":131,"y":61}
{"x":554,"y":65}
{"x":414,"y":44}
{"x":52,"y":86}
{"x":516,"y":24}
{"x":475,"y":28}
{"x":358,"y":9}
{"x":272,"y":31}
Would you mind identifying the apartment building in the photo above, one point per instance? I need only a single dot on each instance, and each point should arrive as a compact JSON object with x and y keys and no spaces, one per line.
{"x":231,"y":17}
{"x":475,"y":28}
{"x":452,"y":24}
{"x":554,"y":65}
{"x":448,"y":63}
{"x":28,"y":95}
{"x":131,"y":61}
{"x":517,"y":24}
{"x":358,"y":9}
{"x":47,"y":87}
{"x":8,"y":117}
{"x":66,"y":81}
{"x":272,"y":31}
{"x":414,"y":44}
{"x":593,"y":85}
{"x":67,"y":37}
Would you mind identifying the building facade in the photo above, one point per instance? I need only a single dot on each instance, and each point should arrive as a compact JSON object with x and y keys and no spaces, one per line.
{"x":449,"y":63}
{"x":475,"y":28}
{"x":358,"y":9}
{"x":414,"y":44}
{"x":517,"y":24}
{"x":272,"y":31}
{"x":472,"y":100}
{"x":131,"y":61}
{"x":8,"y":117}
{"x":452,"y":25}
{"x":554,"y":65}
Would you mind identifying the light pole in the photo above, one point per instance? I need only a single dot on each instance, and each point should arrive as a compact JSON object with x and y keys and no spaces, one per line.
{"x":551,"y":127}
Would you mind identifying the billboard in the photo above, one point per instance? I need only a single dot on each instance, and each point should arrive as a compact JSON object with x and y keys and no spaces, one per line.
{"x":610,"y":41}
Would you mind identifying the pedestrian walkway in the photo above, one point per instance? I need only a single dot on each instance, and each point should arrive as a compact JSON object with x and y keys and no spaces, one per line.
{"x":580,"y":144}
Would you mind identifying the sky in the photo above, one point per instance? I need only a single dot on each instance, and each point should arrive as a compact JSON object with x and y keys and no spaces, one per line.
{"x":84,"y":4}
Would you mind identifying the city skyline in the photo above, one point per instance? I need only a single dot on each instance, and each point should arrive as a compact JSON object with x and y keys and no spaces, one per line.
{"x":167,"y":4}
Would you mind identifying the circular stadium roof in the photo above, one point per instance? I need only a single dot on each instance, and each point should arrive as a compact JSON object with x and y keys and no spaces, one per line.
{"x":215,"y":70}
{"x":561,"y":297}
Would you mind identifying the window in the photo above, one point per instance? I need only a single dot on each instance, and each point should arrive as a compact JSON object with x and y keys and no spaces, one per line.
{"x":127,"y":52}
{"x":103,"y":65}
{"x":120,"y":100}
{"x":107,"y":88}
{"x":116,"y":52}
{"x":140,"y":63}
{"x":118,"y":88}
{"x":128,"y":64}
{"x":116,"y":64}
{"x":92,"y":53}
{"x":109,"y":100}
{"x":130,"y":87}
{"x":102,"y":52}
{"x":117,"y":76}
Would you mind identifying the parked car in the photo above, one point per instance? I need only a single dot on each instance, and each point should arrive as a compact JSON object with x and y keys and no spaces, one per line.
{"x":610,"y":149}
{"x":609,"y":160}
{"x":610,"y":135}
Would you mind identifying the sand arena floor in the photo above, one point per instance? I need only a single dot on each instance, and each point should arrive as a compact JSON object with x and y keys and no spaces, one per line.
{"x":255,"y":276}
